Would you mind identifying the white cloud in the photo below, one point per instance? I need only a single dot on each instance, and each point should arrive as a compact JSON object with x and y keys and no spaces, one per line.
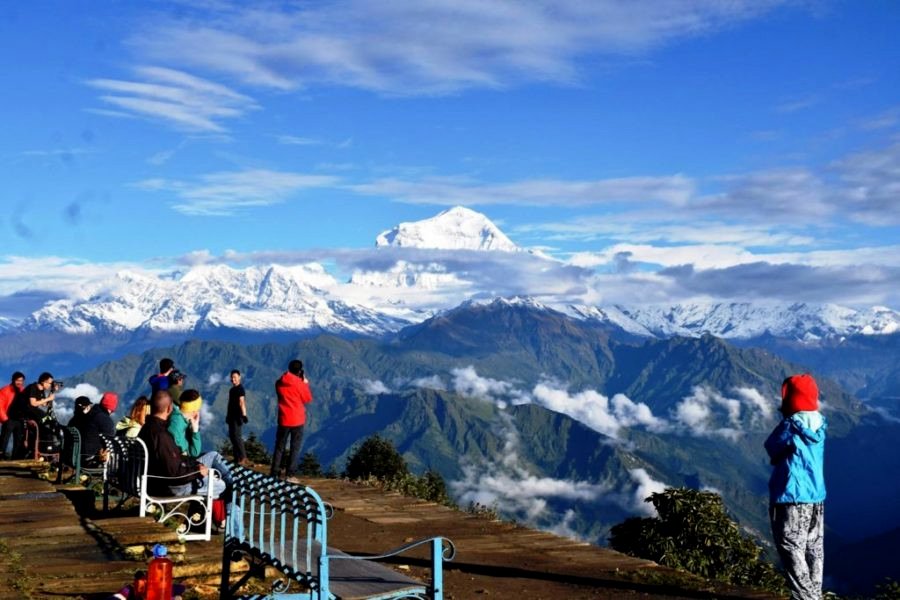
{"x":176,"y":98}
{"x":467,"y":382}
{"x":395,"y":48}
{"x":217,"y":194}
{"x":374,"y":387}
{"x":702,"y":257}
{"x":565,"y":528}
{"x":64,"y":410}
{"x":510,"y":485}
{"x":755,"y":400}
{"x":452,"y":191}
{"x":644,"y":486}
{"x":706,"y":412}
{"x":296,"y":140}
{"x":650,"y":226}
{"x":797,"y":104}
{"x":776,"y":195}
{"x":593,"y":409}
{"x":873,"y":185}
{"x":433,"y":382}
{"x":207,"y":418}
{"x":73,"y":277}
{"x":214,"y":379}
{"x":596,"y":410}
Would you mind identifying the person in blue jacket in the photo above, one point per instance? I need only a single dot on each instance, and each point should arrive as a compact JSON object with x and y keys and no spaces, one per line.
{"x":797,"y":487}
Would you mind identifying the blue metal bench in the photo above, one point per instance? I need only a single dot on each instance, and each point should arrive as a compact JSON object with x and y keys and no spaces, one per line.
{"x":283,"y":525}
{"x":70,"y":456}
{"x":127,"y":473}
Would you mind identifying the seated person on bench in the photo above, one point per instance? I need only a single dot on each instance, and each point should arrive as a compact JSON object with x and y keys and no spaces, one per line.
{"x":97,"y":420}
{"x":184,"y":425}
{"x":187,"y":475}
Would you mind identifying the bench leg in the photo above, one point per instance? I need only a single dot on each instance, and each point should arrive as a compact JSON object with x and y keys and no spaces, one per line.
{"x":225,"y":585}
{"x":437,"y":568}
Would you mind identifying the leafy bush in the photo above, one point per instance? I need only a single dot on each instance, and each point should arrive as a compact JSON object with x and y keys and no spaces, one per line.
{"x":377,"y":458}
{"x":378,"y":461}
{"x":482,"y":511}
{"x":430,"y":487}
{"x":889,"y":590}
{"x":693,"y":532}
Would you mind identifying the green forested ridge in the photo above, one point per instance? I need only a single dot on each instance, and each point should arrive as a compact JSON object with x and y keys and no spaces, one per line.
{"x":448,"y":432}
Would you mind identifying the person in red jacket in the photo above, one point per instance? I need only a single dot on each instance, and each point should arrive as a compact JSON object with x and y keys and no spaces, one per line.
{"x":7,"y":393}
{"x":293,"y":393}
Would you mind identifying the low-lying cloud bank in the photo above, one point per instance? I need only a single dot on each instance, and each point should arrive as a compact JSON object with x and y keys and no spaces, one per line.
{"x":705,"y":412}
{"x":510,"y":486}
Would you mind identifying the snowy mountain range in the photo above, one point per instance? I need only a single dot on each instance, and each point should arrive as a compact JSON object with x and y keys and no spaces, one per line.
{"x":745,"y":320}
{"x":307,"y":299}
{"x":274,"y":298}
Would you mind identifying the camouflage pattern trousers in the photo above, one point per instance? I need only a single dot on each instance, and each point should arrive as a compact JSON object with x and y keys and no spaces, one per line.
{"x":799,"y":531}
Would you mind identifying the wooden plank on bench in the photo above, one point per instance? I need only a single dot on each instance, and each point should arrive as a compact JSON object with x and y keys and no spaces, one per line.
{"x":353,"y":579}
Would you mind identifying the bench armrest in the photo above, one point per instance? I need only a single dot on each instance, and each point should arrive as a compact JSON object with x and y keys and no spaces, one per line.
{"x":440,"y":552}
{"x":448,"y":550}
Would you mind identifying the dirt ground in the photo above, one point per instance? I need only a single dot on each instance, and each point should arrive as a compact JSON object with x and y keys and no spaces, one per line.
{"x":473,"y":575}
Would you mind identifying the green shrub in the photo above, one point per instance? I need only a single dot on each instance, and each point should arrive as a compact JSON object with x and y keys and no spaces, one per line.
{"x":309,"y":465}
{"x":430,"y":487}
{"x":888,"y":590}
{"x":256,"y":451}
{"x":693,"y":532}
{"x":377,"y":458}
{"x":377,"y":461}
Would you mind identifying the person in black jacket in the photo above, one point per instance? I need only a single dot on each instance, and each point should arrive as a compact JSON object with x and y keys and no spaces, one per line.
{"x":97,"y":421}
{"x":186,"y":475}
{"x":79,"y":413}
{"x":27,"y":405}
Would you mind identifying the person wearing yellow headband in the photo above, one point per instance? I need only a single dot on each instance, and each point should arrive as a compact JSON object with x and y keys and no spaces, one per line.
{"x":184,"y":425}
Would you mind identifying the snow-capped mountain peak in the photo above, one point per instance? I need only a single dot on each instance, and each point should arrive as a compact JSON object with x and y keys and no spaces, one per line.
{"x":457,"y":228}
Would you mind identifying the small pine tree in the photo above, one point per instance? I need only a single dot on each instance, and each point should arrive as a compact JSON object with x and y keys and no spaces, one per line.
{"x":309,"y":465}
{"x":256,"y":451}
{"x":332,"y":472}
{"x":376,"y":457}
{"x":226,"y":450}
{"x":434,"y":488}
{"x":693,"y":532}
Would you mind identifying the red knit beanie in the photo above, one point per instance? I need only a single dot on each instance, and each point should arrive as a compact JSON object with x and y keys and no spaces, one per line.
{"x":799,"y":393}
{"x":109,"y":401}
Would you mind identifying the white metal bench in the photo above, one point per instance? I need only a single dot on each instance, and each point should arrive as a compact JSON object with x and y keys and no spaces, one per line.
{"x":127,"y":473}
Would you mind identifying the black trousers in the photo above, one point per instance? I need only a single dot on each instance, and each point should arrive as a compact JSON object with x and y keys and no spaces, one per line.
{"x":281,"y":437}
{"x":237,"y":440}
{"x":7,"y":431}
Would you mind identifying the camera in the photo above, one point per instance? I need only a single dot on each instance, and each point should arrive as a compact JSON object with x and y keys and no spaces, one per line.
{"x":58,"y":385}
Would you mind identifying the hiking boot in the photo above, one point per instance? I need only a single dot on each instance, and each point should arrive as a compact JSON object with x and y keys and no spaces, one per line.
{"x":293,"y":479}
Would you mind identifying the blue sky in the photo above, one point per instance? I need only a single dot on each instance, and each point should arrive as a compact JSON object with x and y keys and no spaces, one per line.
{"x":717,"y":146}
